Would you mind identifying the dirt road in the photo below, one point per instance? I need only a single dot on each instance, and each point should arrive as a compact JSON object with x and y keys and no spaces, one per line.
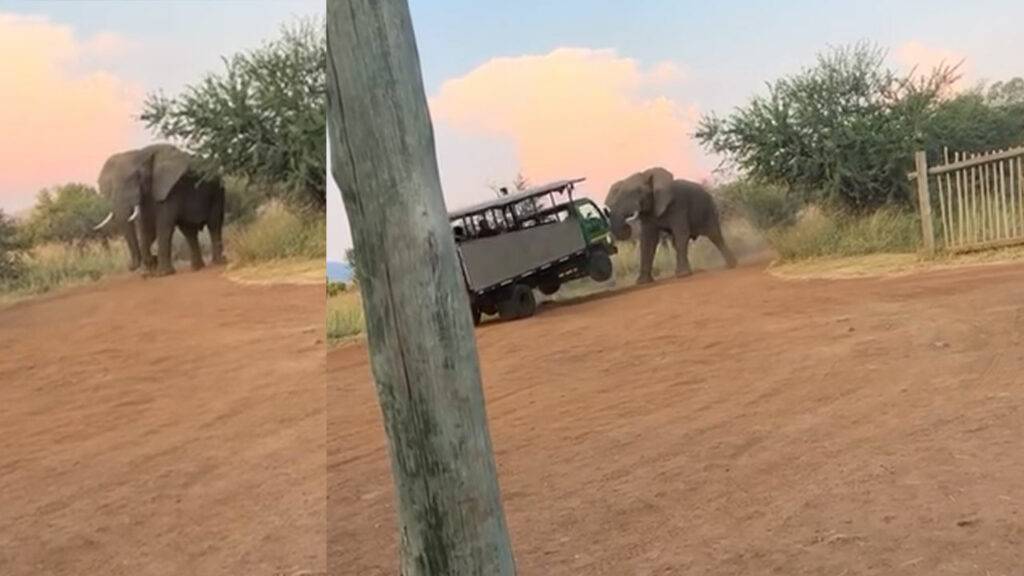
{"x":169,"y":426}
{"x":733,"y":423}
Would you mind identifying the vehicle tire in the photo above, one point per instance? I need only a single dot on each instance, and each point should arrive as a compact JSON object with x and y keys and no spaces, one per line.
{"x":599,"y":266}
{"x":519,"y":304}
{"x":549,"y":286}
{"x":477,"y":315}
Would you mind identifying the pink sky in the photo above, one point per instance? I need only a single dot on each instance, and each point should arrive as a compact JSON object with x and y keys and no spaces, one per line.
{"x":63,"y":113}
{"x":575,"y":112}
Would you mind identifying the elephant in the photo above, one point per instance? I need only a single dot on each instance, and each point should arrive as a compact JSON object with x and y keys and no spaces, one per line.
{"x":154,"y":189}
{"x":662,"y":204}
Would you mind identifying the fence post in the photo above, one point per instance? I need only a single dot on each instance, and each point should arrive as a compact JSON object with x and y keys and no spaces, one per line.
{"x":418,"y":323}
{"x":924,"y":202}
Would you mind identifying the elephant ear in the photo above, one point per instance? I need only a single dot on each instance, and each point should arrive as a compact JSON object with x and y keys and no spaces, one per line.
{"x":660,"y":182}
{"x":169,"y":165}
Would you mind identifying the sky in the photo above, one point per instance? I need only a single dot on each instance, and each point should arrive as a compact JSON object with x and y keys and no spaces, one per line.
{"x":550,"y":89}
{"x":602,"y":88}
{"x":74,"y":74}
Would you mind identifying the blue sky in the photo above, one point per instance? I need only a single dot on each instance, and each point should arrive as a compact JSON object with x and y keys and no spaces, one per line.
{"x":723,"y":51}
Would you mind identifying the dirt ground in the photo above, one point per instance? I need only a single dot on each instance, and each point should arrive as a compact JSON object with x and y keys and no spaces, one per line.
{"x":167,"y":426}
{"x":734,"y":423}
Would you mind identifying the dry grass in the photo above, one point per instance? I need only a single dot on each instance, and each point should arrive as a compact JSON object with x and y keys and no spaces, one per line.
{"x":344,"y":316}
{"x":875,"y":265}
{"x":53,"y":266}
{"x":290,"y":271}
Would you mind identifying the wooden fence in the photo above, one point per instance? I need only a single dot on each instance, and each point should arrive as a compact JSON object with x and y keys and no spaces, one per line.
{"x":978,"y":200}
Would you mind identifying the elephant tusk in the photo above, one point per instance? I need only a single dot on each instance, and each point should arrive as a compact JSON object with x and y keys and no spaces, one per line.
{"x":105,"y":221}
{"x":135,"y":214}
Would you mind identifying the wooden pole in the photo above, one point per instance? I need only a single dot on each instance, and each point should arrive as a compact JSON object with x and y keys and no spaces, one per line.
{"x":418,"y":323}
{"x":924,"y":201}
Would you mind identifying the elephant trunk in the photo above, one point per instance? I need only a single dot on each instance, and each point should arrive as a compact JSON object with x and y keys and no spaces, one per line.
{"x":619,"y":228}
{"x":110,"y":216}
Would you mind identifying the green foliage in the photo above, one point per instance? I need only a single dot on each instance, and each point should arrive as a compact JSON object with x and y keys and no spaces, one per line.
{"x":978,"y":120}
{"x":821,"y":233}
{"x":263,"y":117}
{"x":67,"y":214}
{"x":12,"y":249}
{"x":350,"y":258}
{"x":842,"y":131}
{"x":764,"y":205}
{"x":336,"y":288}
{"x":279,"y":233}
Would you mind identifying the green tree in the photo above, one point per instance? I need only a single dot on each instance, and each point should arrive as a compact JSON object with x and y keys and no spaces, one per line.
{"x":263,"y":118}
{"x":11,"y":249}
{"x":67,"y":214}
{"x":843,"y":130}
{"x":978,"y":120}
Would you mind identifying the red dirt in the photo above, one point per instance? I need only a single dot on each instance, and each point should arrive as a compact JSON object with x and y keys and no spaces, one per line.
{"x":733,"y":423}
{"x":169,"y":426}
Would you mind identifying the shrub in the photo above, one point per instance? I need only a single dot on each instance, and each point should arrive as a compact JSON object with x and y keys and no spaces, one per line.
{"x":263,"y":117}
{"x":279,"y":233}
{"x":67,"y":214}
{"x":842,"y":131}
{"x":764,"y":205}
{"x":12,"y":249}
{"x":823,"y":232}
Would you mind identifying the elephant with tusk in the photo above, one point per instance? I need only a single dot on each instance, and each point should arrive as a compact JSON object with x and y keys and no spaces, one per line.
{"x":154,"y":190}
{"x":661,"y":204}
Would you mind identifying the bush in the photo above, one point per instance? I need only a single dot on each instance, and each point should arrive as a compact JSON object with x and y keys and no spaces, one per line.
{"x":842,"y":131}
{"x":12,"y":249}
{"x":766,"y":206}
{"x":823,"y":232}
{"x":263,"y":118}
{"x":67,"y":214}
{"x":280,"y":233}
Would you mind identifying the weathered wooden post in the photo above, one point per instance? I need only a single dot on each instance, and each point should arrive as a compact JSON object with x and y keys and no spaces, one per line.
{"x":924,"y":201}
{"x":418,"y":322}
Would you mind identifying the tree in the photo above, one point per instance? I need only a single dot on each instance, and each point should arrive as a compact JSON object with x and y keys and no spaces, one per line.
{"x":67,"y":214}
{"x":262,"y":118}
{"x":11,"y":249}
{"x":418,"y":322}
{"x":843,"y":130}
{"x":978,"y":120}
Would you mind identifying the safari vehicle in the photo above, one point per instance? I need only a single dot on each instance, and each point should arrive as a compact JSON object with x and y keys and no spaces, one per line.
{"x":539,"y":239}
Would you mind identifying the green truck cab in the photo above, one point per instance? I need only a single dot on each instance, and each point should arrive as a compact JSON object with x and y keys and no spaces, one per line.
{"x":537,"y":239}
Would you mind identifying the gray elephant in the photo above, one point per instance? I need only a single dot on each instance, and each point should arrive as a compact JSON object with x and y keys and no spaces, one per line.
{"x":154,"y":189}
{"x":664,"y":205}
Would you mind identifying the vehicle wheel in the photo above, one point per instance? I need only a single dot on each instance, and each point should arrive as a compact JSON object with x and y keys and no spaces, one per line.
{"x":599,"y":266}
{"x":477,"y":315}
{"x":519,"y":304}
{"x":490,"y":308}
{"x":549,"y":286}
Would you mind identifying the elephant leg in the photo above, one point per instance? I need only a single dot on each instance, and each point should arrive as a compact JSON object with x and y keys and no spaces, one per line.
{"x":719,"y":241}
{"x":681,"y":237}
{"x":130,"y":238}
{"x":195,"y":252}
{"x":214,"y":224}
{"x":164,"y":235}
{"x":648,"y":246}
{"x":147,"y":233}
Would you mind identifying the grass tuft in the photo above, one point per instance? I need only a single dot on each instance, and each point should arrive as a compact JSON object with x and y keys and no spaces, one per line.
{"x":51,"y":266}
{"x":344,"y":315}
{"x":819,"y":233}
{"x":278,"y":233}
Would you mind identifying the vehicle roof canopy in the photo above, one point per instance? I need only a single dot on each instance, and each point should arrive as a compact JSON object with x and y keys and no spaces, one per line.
{"x":513,"y":198}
